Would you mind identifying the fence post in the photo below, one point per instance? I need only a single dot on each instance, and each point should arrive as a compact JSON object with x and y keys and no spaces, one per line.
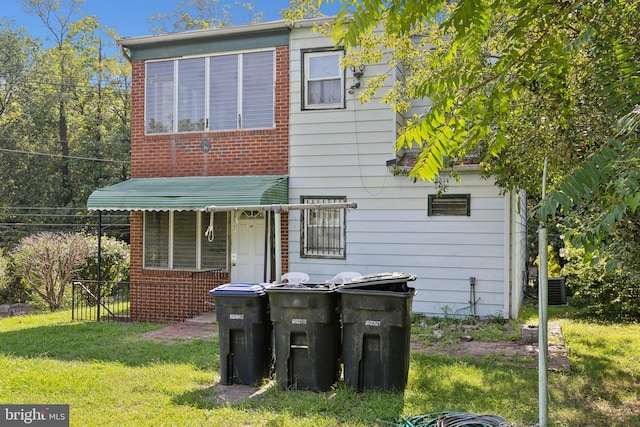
{"x":73,"y":300}
{"x":98,"y":275}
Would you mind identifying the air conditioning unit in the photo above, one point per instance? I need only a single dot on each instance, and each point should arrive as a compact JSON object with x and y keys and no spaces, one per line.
{"x":557,"y":292}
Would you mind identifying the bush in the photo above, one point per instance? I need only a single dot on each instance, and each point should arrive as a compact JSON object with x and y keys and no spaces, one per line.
{"x":12,"y":289}
{"x":47,"y":261}
{"x":608,"y":295}
{"x":114,"y":266}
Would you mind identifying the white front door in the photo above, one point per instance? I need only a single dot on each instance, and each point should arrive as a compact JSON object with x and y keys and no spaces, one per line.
{"x":247,"y":247}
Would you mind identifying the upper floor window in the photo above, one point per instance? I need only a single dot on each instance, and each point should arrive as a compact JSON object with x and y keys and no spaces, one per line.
{"x":323,"y":80}
{"x":323,"y":230}
{"x":223,"y":92}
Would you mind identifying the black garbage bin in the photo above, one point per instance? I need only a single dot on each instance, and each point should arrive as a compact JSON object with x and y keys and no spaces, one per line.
{"x":306,"y":324}
{"x":244,"y":331}
{"x":376,"y":330}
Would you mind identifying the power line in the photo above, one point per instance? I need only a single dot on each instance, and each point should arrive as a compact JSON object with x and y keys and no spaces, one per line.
{"x":42,"y":141}
{"x":67,"y":157}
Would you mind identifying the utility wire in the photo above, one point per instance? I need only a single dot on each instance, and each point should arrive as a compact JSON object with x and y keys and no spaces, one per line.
{"x":67,"y":157}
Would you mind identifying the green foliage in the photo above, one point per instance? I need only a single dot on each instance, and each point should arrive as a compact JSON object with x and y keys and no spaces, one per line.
{"x":64,"y":116}
{"x":553,"y":262}
{"x":12,"y":289}
{"x":46,"y":358}
{"x":47,"y":262}
{"x":515,"y":83}
{"x":114,"y":266}
{"x":201,"y":14}
{"x":606,"y":293}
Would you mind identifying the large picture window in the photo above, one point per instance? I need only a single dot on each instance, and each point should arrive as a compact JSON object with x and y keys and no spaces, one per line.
{"x":323,"y":80}
{"x":323,"y":230}
{"x":176,"y":240}
{"x":222,"y":92}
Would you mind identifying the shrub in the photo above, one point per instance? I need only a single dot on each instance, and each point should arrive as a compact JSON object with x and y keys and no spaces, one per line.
{"x":608,"y":295}
{"x":47,"y":261}
{"x":114,"y":266}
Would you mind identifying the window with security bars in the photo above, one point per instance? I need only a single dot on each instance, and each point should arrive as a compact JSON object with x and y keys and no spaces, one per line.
{"x":449,"y":205}
{"x":323,"y":230}
{"x":177,"y":241}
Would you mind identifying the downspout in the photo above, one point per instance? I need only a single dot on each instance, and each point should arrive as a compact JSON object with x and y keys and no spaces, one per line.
{"x":507,"y":256}
{"x":512,"y":253}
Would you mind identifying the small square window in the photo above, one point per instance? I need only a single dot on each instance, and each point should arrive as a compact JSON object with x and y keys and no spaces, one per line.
{"x":323,"y":80}
{"x":449,"y":205}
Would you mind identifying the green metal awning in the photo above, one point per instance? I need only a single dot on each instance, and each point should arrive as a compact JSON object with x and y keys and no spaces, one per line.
{"x":190,"y":193}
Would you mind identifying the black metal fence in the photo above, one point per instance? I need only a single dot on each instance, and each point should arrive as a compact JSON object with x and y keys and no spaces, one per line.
{"x":106,"y":301}
{"x":144,"y":301}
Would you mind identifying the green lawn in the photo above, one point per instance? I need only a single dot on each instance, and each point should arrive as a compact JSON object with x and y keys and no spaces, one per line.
{"x":110,"y":377}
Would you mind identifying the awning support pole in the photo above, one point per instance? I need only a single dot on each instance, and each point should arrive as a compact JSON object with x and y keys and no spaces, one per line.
{"x":278,"y":244}
{"x":99,"y":262}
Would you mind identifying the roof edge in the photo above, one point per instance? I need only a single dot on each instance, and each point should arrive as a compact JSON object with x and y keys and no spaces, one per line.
{"x":196,"y":34}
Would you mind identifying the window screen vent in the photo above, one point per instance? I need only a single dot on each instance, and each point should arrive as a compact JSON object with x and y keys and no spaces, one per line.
{"x":449,"y":204}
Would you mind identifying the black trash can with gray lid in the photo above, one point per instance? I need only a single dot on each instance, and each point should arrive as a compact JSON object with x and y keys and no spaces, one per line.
{"x":306,"y":325}
{"x":376,"y":330}
{"x":244,"y":331}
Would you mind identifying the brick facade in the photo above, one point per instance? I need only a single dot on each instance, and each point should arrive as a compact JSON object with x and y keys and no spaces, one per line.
{"x":244,"y":152}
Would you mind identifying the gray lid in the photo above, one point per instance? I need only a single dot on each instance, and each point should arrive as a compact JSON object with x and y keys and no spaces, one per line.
{"x":395,"y":281}
{"x":239,"y":289}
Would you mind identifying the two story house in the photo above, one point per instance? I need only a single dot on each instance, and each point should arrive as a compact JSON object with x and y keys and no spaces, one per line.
{"x":250,"y":152}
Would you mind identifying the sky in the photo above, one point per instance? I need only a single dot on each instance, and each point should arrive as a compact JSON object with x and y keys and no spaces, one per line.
{"x":130,"y":18}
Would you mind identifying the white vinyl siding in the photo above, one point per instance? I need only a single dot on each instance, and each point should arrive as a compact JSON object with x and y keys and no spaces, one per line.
{"x":176,"y":241}
{"x":323,"y":80}
{"x":345,"y":152}
{"x":223,"y":92}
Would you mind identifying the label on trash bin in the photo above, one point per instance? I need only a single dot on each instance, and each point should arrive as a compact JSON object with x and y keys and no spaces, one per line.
{"x":236,"y":316}
{"x":372,"y":323}
{"x":299,"y":321}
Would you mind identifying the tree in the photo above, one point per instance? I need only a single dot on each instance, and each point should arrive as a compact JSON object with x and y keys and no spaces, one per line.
{"x":50,"y":162}
{"x":47,"y":262}
{"x":58,"y":19}
{"x":515,"y":82}
{"x":201,"y":14}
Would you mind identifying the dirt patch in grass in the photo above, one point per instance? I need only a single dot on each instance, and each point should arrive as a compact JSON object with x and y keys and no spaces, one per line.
{"x":459,"y":346}
{"x":184,"y":331}
{"x":463,"y":347}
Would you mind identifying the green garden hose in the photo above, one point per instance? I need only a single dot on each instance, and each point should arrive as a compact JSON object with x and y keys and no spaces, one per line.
{"x":452,"y":419}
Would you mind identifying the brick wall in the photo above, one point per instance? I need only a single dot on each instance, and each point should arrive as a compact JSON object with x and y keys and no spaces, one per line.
{"x":246,"y":152}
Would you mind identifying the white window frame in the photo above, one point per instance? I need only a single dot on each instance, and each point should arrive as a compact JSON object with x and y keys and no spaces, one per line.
{"x":171,"y":245}
{"x":239,"y":122}
{"x":307,"y":56}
